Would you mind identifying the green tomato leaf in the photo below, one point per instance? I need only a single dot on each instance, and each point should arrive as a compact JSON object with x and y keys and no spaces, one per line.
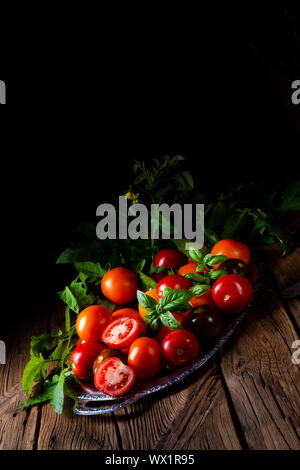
{"x":147,"y":282}
{"x":34,"y":371}
{"x":91,"y":271}
{"x":57,"y":395}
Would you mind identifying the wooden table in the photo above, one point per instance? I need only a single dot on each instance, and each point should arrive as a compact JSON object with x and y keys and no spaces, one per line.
{"x":248,"y":397}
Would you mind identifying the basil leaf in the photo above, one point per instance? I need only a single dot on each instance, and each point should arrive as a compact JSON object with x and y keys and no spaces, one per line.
{"x":195,"y":277}
{"x":152,"y":322}
{"x":199,"y":289}
{"x":175,"y":300}
{"x":170,"y":321}
{"x":196,"y":255}
{"x":207,"y":258}
{"x":146,"y":301}
{"x":217,"y":274}
{"x":216,"y":260}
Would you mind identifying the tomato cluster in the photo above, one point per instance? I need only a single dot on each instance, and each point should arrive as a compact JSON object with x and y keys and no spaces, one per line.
{"x":115,"y":349}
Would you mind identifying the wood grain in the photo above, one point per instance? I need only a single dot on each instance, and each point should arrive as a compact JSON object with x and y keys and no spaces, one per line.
{"x":194,"y":415}
{"x":18,"y":426}
{"x":286,"y":271}
{"x":262,"y":380}
{"x":69,"y":431}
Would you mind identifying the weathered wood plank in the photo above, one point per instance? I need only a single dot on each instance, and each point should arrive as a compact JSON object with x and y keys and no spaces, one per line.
{"x":286,"y":271}
{"x":262,"y":380}
{"x":69,"y":431}
{"x":18,"y":426}
{"x":193,"y":415}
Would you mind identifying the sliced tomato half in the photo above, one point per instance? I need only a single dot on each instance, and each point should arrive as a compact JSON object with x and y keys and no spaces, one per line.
{"x":113,"y":377}
{"x":121,"y":332}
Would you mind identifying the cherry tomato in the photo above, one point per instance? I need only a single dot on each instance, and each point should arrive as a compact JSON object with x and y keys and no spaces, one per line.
{"x":205,"y":322}
{"x":113,"y":377}
{"x":91,"y":322}
{"x":83,"y":358}
{"x":164,"y":331}
{"x":80,"y":341}
{"x":119,"y":285}
{"x":158,"y":276}
{"x":145,"y":357}
{"x":105,"y":354}
{"x":174,"y":281}
{"x":232,"y":293}
{"x":121,"y":332}
{"x":180,"y":347}
{"x":127,"y":312}
{"x":204,"y":299}
{"x":152,"y":293}
{"x":232,"y":249}
{"x":235,"y":266}
{"x":170,"y":259}
{"x":190,"y":268}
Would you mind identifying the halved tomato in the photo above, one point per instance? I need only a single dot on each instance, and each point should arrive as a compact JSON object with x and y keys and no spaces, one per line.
{"x":127,"y":312}
{"x":113,"y":377}
{"x":120,"y":333}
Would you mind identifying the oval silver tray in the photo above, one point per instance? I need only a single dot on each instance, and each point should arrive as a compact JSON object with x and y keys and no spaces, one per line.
{"x":92,"y":402}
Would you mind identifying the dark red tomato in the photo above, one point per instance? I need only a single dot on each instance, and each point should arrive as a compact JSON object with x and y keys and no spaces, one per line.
{"x":119,"y":285}
{"x":180,"y":347}
{"x":121,"y":332}
{"x":127,"y":312}
{"x":174,"y":281}
{"x":145,"y":357}
{"x":158,"y":276}
{"x":164,"y":331}
{"x":82,"y":359}
{"x":91,"y":322}
{"x":254,"y":273}
{"x":170,"y":259}
{"x":232,"y":293}
{"x":190,"y":268}
{"x":205,"y":322}
{"x":113,"y":377}
{"x":235,"y":266}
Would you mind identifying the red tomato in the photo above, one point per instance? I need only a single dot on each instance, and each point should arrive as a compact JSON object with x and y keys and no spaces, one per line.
{"x":204,"y":299}
{"x":232,"y":249}
{"x":190,"y":268}
{"x":158,"y":276}
{"x":82,"y":359}
{"x":164,"y":331}
{"x":113,"y":377}
{"x":170,"y":259}
{"x":180,"y":347}
{"x":145,"y":357}
{"x":121,"y":332}
{"x":127,"y":312}
{"x":80,"y":341}
{"x":119,"y":285}
{"x":91,"y":322}
{"x":232,"y":293}
{"x":174,"y":281}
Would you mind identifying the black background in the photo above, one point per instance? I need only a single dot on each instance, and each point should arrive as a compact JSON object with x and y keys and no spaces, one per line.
{"x":80,"y":112}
